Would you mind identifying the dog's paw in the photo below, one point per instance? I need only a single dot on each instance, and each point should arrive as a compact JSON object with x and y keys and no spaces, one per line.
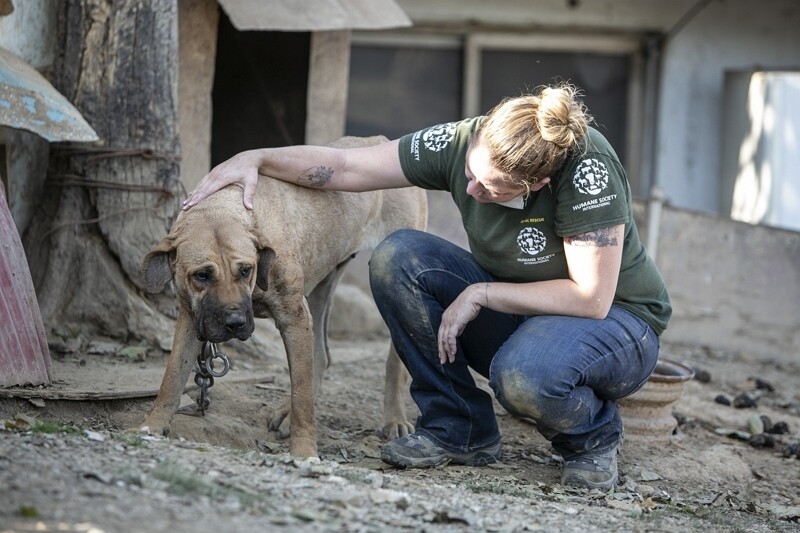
{"x":151,"y":428}
{"x":147,"y":430}
{"x":280,"y":421}
{"x":394,"y":429}
{"x":305,"y":448}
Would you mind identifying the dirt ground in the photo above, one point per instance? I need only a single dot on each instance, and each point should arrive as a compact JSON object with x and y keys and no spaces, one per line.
{"x":69,"y":465}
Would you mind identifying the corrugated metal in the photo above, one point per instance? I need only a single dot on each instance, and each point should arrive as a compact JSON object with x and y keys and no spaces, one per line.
{"x":314,"y":15}
{"x":24,"y":355}
{"x":29,"y":102}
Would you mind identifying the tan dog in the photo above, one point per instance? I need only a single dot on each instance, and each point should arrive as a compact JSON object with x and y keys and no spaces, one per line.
{"x":282,"y":260}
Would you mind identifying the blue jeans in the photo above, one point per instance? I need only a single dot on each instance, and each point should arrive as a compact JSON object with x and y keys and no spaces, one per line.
{"x":565,"y":373}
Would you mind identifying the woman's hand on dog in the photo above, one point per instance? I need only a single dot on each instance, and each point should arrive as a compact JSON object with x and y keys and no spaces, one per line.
{"x":240,"y":170}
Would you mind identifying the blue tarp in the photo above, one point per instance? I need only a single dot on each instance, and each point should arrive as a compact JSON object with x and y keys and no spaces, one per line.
{"x":29,"y":102}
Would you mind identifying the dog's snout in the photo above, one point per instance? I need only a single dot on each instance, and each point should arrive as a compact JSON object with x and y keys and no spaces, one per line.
{"x":235,"y":318}
{"x":221,"y":323}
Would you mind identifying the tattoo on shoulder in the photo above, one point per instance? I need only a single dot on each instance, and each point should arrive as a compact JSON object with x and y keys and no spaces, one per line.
{"x":315,"y":176}
{"x":599,"y":238}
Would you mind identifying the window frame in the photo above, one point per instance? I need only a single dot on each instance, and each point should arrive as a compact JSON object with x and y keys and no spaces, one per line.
{"x":472,"y":44}
{"x":476,"y":43}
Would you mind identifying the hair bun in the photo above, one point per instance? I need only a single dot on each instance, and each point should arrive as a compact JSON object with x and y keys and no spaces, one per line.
{"x":561,"y":116}
{"x":530,"y":136}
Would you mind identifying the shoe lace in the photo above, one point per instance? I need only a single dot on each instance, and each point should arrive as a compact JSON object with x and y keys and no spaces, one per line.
{"x":600,"y":461}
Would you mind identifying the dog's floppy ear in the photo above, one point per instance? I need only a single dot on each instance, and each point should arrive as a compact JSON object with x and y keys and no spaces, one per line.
{"x":156,"y":270}
{"x":266,"y":256}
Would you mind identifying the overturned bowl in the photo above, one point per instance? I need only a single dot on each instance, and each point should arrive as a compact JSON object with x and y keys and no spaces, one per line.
{"x":647,"y":413}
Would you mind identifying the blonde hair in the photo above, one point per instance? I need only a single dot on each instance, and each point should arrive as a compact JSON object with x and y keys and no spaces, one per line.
{"x":530,"y":136}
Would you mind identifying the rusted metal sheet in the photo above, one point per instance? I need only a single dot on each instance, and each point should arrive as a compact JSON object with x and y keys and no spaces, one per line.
{"x":24,"y":355}
{"x":314,"y":15}
{"x":29,"y":102}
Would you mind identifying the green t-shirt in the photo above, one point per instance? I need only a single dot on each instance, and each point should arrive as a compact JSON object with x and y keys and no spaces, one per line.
{"x":590,"y":192}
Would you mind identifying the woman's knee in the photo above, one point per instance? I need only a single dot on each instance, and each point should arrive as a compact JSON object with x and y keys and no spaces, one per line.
{"x":544,"y":396}
{"x":389,"y":258}
{"x":522,"y":386}
{"x":403,"y":255}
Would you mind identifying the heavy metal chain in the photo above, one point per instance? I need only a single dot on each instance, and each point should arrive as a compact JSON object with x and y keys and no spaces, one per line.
{"x":204,"y":372}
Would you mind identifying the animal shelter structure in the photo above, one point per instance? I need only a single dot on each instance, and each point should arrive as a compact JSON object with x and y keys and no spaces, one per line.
{"x":678,"y":84}
{"x":125,"y":151}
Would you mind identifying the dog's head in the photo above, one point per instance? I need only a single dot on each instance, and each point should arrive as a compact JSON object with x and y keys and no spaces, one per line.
{"x":216,"y":268}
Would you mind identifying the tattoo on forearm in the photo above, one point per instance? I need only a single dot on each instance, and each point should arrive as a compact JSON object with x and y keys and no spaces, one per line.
{"x":315,"y":176}
{"x":600,"y":238}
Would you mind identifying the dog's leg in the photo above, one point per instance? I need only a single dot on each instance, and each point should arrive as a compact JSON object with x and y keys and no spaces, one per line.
{"x":395,"y":391}
{"x":293,"y":320}
{"x":185,"y":347}
{"x":320,"y":302}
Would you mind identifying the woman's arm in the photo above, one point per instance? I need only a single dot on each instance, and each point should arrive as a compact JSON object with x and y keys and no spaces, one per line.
{"x":593,"y":259}
{"x":352,"y":169}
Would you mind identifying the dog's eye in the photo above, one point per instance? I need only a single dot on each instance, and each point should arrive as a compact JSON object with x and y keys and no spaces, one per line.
{"x":245,"y":271}
{"x":201,"y":276}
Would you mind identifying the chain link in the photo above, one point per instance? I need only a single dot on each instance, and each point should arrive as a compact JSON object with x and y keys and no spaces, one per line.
{"x":205,"y":373}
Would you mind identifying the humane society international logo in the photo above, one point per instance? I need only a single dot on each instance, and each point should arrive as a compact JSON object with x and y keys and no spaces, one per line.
{"x":531,"y":241}
{"x":434,"y":139}
{"x":591,"y":177}
{"x":438,"y":137}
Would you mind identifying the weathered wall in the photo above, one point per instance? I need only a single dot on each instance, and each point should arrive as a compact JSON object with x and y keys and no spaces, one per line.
{"x":730,"y":35}
{"x":720,"y":36}
{"x":734,"y":286}
{"x":627,"y":15}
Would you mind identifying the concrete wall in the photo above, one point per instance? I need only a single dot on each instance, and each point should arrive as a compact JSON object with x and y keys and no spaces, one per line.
{"x":734,"y":286}
{"x":703,"y":44}
{"x":729,"y":35}
{"x":619,"y":15}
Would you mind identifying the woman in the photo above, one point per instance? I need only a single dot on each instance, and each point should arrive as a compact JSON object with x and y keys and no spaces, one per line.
{"x":558,"y":303}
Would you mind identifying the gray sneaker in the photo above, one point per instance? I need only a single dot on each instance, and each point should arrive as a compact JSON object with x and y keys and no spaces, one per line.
{"x":418,"y":451}
{"x":591,"y":470}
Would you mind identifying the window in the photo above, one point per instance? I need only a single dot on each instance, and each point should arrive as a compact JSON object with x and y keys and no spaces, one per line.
{"x":401,"y":83}
{"x":761,"y":148}
{"x":602,"y":77}
{"x":402,"y":87}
